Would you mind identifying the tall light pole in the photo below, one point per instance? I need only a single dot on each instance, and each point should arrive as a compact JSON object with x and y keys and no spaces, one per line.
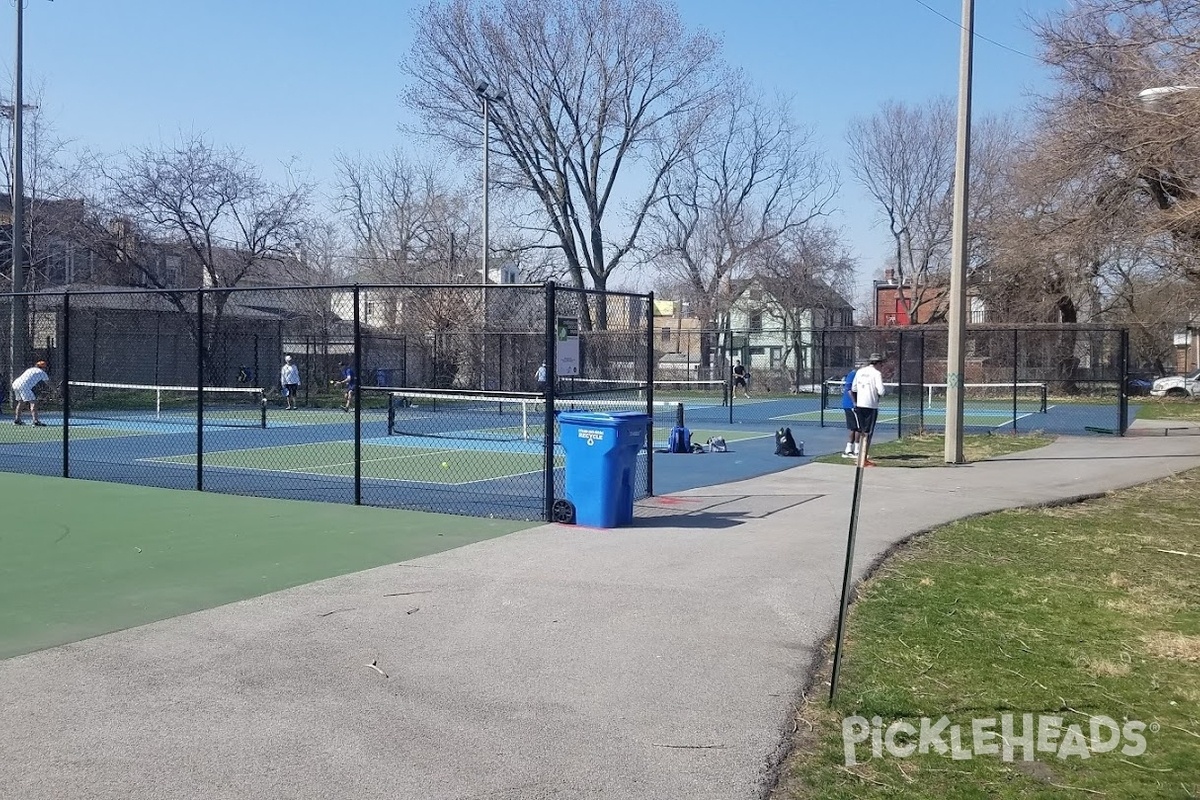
{"x":487,"y":96}
{"x":957,"y":334}
{"x":17,"y":353}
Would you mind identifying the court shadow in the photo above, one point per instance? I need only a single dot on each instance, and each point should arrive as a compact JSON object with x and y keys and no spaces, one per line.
{"x":696,"y":520}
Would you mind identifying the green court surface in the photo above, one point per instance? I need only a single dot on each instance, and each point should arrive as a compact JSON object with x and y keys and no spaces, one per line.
{"x":83,"y":558}
{"x":28,"y":434}
{"x":432,"y":464}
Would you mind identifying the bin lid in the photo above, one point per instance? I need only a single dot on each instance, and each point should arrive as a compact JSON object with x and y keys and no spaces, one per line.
{"x":602,"y":418}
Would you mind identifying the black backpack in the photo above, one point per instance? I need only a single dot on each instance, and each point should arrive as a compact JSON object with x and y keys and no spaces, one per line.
{"x":785,"y":444}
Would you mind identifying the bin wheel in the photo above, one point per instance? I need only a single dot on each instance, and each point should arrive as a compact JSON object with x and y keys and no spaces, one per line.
{"x":564,"y":512}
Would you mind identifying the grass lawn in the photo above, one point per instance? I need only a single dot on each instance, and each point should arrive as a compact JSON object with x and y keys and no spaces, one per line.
{"x":1079,"y":612}
{"x":1167,"y":408}
{"x":82,"y":558}
{"x":927,"y":450}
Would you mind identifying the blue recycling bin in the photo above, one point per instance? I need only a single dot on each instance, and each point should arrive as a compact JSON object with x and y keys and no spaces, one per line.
{"x":601,"y":451}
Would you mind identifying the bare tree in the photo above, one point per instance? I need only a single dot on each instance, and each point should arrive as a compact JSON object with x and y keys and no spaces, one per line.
{"x":749,"y":183}
{"x":598,"y":99}
{"x":904,"y":157}
{"x":407,"y":224}
{"x":807,"y":276}
{"x":206,"y":203}
{"x":1119,"y":134}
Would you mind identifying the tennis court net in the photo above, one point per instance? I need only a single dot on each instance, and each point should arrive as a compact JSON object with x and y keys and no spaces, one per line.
{"x":996,"y":397}
{"x":498,"y":417}
{"x":705,"y":391}
{"x":223,"y":406}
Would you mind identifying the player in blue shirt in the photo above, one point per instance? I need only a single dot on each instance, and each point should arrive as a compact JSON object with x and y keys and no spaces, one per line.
{"x":851,"y":418}
{"x":348,"y":382}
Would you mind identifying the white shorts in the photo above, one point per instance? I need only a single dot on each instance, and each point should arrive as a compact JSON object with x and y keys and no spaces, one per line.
{"x":25,"y":395}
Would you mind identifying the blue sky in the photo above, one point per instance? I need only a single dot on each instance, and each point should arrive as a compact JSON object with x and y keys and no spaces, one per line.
{"x":300,"y":80}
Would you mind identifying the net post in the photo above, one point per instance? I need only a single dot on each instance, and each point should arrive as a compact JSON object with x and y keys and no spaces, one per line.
{"x":1044,"y":390}
{"x":65,"y":365}
{"x":262,"y":402}
{"x":199,"y":390}
{"x":391,"y":414}
{"x":548,"y":412}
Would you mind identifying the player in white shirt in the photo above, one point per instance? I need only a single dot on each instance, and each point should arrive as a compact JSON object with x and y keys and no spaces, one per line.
{"x":23,"y":392}
{"x":866,"y":390}
{"x":289,"y":379}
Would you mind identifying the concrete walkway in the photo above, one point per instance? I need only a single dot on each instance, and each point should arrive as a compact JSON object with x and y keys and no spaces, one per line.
{"x":659,"y":661}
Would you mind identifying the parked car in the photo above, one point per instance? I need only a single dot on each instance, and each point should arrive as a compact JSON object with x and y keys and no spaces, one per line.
{"x":1139,"y":384}
{"x":1177,"y":386}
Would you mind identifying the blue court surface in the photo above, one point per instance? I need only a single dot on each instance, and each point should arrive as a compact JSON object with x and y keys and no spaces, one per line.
{"x":482,"y":470}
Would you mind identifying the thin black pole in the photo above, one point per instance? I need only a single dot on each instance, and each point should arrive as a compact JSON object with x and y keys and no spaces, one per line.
{"x":357,"y":400}
{"x":199,"y":390}
{"x":847,"y":576}
{"x":650,"y":394}
{"x":548,"y":418}
{"x":65,"y":365}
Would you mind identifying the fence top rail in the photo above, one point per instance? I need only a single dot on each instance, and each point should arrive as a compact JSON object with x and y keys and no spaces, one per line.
{"x":193,"y":290}
{"x":978,"y":327}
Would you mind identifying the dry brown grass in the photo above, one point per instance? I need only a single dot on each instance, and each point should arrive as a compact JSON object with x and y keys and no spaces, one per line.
{"x":1173,"y":646}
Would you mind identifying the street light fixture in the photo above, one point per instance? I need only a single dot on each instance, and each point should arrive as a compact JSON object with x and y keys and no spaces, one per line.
{"x":487,"y":96}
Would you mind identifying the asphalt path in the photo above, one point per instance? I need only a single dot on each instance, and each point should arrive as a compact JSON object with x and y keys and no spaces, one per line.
{"x":663,"y":660}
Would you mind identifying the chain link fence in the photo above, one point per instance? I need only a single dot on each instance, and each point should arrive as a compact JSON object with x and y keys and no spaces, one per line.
{"x":419,"y":397}
{"x":1062,"y":379}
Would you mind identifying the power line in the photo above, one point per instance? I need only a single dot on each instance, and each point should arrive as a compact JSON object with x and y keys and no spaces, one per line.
{"x":978,"y":35}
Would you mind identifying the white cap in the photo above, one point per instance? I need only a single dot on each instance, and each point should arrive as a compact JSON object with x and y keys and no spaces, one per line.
{"x":287,"y":358}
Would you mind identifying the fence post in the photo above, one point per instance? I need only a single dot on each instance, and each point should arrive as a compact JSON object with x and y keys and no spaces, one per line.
{"x":821,"y":390}
{"x":65,"y":366}
{"x":900,"y":426}
{"x":358,"y":379}
{"x":1122,"y":387}
{"x":921,"y":381}
{"x":732,"y":392}
{"x":548,"y":416}
{"x":650,"y":394}
{"x":1015,"y":374}
{"x":199,"y":390}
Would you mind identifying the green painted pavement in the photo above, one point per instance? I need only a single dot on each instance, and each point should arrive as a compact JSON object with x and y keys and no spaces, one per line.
{"x":83,"y":558}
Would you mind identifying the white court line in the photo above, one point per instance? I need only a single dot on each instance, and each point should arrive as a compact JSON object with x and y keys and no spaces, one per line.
{"x":305,"y":471}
